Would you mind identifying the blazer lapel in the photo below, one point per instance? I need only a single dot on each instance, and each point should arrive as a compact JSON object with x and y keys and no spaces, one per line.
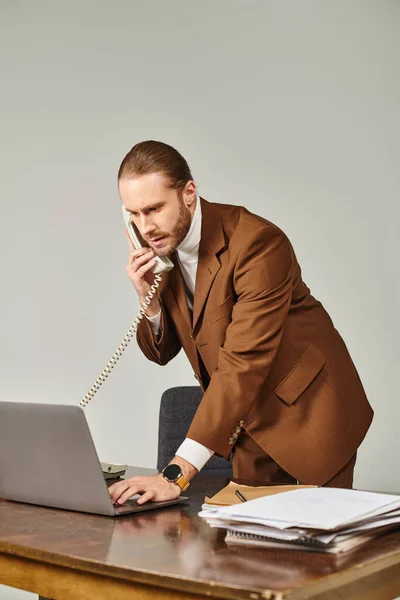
{"x":211,"y":242}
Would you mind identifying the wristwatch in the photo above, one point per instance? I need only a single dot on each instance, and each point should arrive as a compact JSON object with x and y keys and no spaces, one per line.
{"x":173,"y":474}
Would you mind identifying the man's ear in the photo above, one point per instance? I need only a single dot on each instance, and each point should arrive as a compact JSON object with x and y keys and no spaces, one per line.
{"x":190,"y":194}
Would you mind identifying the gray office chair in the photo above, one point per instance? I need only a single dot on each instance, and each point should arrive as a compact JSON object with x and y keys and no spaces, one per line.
{"x":177,"y":409}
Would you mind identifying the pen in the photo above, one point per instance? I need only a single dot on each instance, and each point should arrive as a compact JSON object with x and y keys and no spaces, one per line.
{"x":240,"y":496}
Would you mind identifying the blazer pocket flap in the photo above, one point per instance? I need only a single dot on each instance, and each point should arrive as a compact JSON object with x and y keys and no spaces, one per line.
{"x":221,"y":310}
{"x":302,"y":374}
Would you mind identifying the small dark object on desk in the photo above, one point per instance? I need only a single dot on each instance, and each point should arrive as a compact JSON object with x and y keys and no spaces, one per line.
{"x":240,"y":496}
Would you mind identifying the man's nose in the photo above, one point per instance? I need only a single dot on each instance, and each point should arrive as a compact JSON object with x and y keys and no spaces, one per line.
{"x":147,"y":225}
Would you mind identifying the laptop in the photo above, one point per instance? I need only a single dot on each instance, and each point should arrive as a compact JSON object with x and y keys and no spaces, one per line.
{"x":48,"y":458}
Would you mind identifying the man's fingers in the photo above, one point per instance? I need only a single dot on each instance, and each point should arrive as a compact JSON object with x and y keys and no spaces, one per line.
{"x":117,"y":489}
{"x":131,"y":491}
{"x":143,"y":270}
{"x":149,"y":495}
{"x":152,"y":488}
{"x":123,"y":490}
{"x":137,"y":485}
{"x":135,"y":262}
{"x":138,"y":257}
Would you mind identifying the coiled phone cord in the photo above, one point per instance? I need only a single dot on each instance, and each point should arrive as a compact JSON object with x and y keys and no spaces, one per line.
{"x":123,"y":345}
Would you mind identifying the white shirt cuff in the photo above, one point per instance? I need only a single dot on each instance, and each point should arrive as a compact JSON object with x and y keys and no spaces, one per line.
{"x":196,"y":454}
{"x":155,"y":322}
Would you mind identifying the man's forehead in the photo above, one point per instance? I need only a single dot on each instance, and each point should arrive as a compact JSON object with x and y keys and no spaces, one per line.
{"x":142,"y":197}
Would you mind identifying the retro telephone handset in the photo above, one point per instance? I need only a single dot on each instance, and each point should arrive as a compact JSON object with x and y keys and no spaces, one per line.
{"x":162,"y":264}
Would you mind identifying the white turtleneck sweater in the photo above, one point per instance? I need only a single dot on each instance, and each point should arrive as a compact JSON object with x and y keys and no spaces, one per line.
{"x":188,"y":256}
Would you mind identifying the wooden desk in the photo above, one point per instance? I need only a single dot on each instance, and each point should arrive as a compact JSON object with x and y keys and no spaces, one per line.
{"x":171,"y":554}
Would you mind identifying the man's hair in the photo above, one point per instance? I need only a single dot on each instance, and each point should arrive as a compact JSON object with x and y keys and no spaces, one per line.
{"x":156,"y":157}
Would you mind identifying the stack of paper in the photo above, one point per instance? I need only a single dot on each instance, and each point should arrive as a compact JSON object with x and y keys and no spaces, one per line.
{"x":325,"y":519}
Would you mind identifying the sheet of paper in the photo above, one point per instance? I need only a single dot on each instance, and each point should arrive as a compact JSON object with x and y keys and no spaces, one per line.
{"x":374,"y":524}
{"x":296,"y":533}
{"x":318,"y":508}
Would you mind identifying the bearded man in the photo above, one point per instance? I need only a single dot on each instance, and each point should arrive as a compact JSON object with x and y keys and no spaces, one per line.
{"x":282,"y":396}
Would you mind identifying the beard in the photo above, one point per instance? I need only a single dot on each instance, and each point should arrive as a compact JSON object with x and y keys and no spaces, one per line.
{"x":178,"y":232}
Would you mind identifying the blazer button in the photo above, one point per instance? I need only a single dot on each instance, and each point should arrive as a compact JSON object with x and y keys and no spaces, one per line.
{"x":230,"y":441}
{"x":241,"y":423}
{"x":234,"y":435}
{"x":238,"y":429}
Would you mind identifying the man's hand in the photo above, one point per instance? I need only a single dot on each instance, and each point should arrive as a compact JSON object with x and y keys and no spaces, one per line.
{"x":140,"y":263}
{"x":155,"y":488}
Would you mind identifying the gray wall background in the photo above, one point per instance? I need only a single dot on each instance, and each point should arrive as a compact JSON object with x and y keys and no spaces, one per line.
{"x":290,"y":108}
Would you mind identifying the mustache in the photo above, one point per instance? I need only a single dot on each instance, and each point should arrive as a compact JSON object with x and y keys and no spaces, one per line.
{"x":156,"y":236}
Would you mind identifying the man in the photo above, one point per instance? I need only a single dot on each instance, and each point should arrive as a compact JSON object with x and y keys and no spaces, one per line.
{"x":281,"y":394}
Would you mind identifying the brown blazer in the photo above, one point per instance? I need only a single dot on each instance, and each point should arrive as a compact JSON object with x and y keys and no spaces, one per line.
{"x":273,"y":363}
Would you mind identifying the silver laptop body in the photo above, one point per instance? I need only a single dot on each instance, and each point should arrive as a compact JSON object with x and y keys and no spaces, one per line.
{"x":47,"y":457}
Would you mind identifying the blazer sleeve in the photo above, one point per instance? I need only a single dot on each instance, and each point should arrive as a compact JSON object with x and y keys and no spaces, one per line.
{"x":163,"y":347}
{"x":263,"y":278}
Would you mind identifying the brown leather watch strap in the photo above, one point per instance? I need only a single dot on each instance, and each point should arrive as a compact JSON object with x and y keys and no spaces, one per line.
{"x":182,"y":482}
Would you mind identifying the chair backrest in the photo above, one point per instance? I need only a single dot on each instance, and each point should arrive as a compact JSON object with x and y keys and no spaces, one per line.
{"x":177,"y":409}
